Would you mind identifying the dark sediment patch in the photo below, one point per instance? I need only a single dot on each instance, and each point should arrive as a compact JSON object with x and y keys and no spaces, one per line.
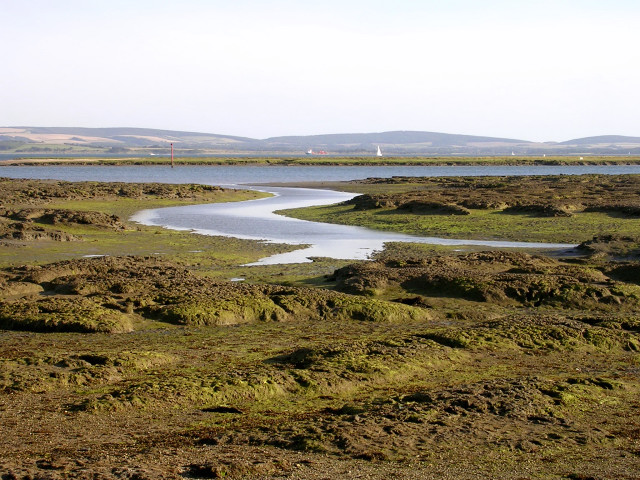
{"x":539,"y":210}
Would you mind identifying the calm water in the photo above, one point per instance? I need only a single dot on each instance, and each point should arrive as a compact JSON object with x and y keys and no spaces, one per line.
{"x":221,"y":175}
{"x":256,"y":219}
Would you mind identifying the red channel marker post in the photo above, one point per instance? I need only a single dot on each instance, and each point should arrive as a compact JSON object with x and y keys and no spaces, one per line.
{"x":172,"y":155}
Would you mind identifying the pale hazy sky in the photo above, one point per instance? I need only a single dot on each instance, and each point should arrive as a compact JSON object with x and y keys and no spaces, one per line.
{"x":536,"y":70}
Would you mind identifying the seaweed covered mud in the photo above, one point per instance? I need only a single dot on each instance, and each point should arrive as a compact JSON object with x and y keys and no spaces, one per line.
{"x":424,"y":362}
{"x":566,"y":208}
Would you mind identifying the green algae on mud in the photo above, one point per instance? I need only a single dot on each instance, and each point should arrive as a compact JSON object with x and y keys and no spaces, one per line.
{"x":109,"y":294}
{"x":401,"y":385}
{"x":527,"y":364}
{"x":553,"y":209}
{"x":30,"y":233}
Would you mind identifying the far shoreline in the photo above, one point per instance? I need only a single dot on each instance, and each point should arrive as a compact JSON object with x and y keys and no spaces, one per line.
{"x":330,"y":161}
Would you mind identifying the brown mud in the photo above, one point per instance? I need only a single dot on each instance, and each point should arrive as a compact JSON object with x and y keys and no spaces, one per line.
{"x":546,"y":196}
{"x":414,"y":365}
{"x":24,"y":215}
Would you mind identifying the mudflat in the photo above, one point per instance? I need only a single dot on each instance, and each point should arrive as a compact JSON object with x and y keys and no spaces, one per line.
{"x":148,"y":362}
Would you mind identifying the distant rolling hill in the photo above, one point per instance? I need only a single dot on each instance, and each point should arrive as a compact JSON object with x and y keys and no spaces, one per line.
{"x":120,"y":135}
{"x":144,"y":141}
{"x":391,"y":138}
{"x":604,"y":139}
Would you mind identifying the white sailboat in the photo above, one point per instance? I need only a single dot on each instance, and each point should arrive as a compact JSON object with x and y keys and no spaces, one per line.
{"x":378,"y":153}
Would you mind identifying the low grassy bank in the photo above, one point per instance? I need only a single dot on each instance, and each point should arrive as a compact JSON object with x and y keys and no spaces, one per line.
{"x":334,"y":160}
{"x":478,"y":225}
{"x":47,"y":221}
{"x":555,"y":209}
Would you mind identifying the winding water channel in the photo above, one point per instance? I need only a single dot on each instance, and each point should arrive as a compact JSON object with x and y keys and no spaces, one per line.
{"x":256,"y":219}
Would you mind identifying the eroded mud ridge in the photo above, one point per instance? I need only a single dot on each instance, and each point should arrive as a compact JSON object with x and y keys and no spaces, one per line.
{"x":114,"y":294}
{"x":481,"y":365}
{"x":25,"y":217}
{"x":499,"y":278}
{"x":37,"y":192}
{"x":27,"y":224}
{"x":539,"y":196}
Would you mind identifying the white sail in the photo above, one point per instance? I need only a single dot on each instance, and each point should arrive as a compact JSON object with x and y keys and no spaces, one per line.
{"x":378,"y":153}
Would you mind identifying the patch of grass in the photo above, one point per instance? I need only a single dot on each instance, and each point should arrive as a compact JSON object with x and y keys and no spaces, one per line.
{"x":500,"y":208}
{"x":479,"y":225}
{"x":203,"y":252}
{"x":124,"y":207}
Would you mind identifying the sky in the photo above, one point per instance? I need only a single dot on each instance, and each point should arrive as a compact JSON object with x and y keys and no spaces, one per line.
{"x":534,"y":70}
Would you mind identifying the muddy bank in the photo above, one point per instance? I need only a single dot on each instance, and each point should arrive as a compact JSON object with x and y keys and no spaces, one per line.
{"x":537,"y":196}
{"x":38,"y":192}
{"x":31,"y":224}
{"x":26,"y":218}
{"x":42,"y":221}
{"x":135,"y":366}
{"x":503,"y":278}
{"x":114,"y":294}
{"x":148,"y":367}
{"x":569,"y":209}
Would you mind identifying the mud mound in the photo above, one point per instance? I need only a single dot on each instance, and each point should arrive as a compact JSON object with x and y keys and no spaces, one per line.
{"x":627,"y":210}
{"x":49,"y":371}
{"x":368,"y":202}
{"x":619,"y":246}
{"x":96,"y":219}
{"x":62,"y":315}
{"x":226,"y":304}
{"x":539,"y":333}
{"x":532,"y":195}
{"x":24,"y":234}
{"x":498,"y":278}
{"x":108,"y":294}
{"x":26,"y":224}
{"x":27,"y":231}
{"x":411,"y":203}
{"x":421,"y":207}
{"x":539,"y":210}
{"x":625,"y":272}
{"x":344,"y":360}
{"x":38,"y":192}
{"x":64,"y":217}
